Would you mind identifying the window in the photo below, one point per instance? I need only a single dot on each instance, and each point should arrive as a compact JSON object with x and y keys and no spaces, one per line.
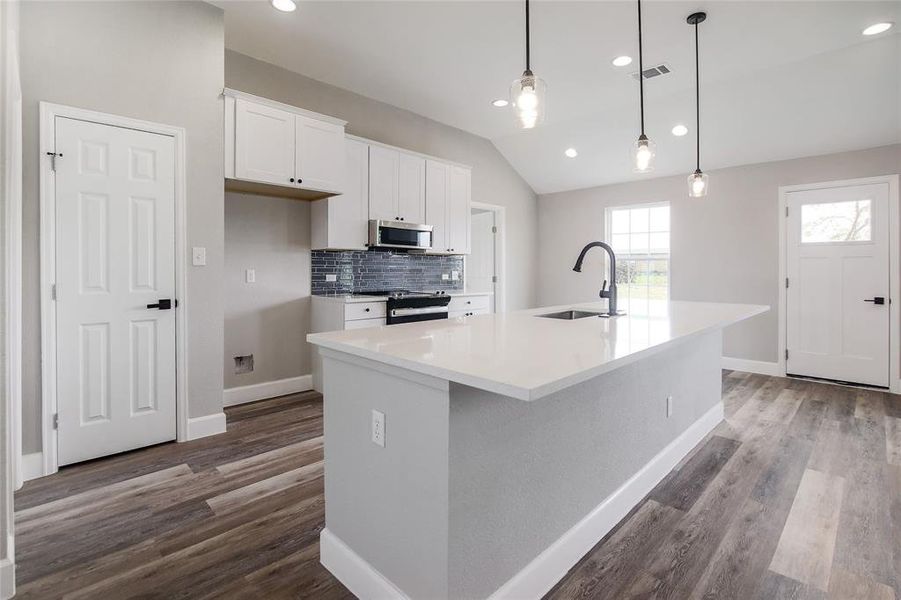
{"x":847,"y":221}
{"x":640,"y":238}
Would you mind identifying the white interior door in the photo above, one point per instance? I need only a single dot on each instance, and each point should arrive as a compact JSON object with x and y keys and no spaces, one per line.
{"x":480,"y":264}
{"x":837,"y":319}
{"x":115,"y":254}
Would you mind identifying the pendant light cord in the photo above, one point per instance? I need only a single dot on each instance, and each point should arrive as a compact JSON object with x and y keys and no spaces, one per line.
{"x":697,"y":102}
{"x":528,"y":58}
{"x":640,"y":71}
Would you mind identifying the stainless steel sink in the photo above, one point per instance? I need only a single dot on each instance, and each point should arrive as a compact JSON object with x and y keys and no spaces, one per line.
{"x":571,"y":315}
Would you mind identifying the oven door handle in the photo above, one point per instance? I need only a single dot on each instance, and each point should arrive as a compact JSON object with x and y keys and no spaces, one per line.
{"x":426,"y":310}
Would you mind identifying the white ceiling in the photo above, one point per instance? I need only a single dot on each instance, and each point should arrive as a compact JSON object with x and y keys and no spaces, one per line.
{"x":779,"y":79}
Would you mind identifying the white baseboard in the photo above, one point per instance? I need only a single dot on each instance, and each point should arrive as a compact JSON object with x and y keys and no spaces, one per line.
{"x":207,"y":425}
{"x":540,"y":575}
{"x":7,"y":579}
{"x":355,"y":573}
{"x":267,"y":389}
{"x":751,"y":366}
{"x":32,"y":466}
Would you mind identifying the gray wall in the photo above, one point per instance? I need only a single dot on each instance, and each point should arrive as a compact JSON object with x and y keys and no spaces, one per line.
{"x":269,"y":318}
{"x":157,"y":61}
{"x":251,"y":317}
{"x":724,"y":247}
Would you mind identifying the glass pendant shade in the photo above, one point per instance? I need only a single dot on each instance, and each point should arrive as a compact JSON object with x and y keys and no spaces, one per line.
{"x":643,"y":153}
{"x":697,"y":184}
{"x":528,"y":96}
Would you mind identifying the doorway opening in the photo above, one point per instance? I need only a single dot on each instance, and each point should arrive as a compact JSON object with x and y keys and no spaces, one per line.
{"x":484,"y":266}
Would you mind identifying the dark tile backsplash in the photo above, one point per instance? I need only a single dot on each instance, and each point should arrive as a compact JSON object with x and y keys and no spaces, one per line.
{"x":381,"y":269}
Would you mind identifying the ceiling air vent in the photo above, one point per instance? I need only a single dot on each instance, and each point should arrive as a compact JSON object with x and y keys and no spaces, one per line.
{"x":652,"y":72}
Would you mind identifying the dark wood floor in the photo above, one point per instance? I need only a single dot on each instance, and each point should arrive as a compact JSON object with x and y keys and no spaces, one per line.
{"x":796,"y":495}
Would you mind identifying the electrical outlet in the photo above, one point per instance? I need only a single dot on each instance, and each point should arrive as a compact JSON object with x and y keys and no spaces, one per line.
{"x":669,"y":406}
{"x":445,"y":277}
{"x":250,"y":276}
{"x":378,"y":428}
{"x":331,"y":277}
{"x":455,"y":275}
{"x":198,"y":256}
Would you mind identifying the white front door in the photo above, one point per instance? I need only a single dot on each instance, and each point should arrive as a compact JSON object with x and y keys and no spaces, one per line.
{"x":115,"y":255}
{"x":838,"y":284}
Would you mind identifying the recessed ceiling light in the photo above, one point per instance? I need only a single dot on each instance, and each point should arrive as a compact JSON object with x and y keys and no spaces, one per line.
{"x":680,"y":130}
{"x":571,"y":153}
{"x":284,"y":5}
{"x":622,"y":61}
{"x":499,"y":103}
{"x":877,"y":28}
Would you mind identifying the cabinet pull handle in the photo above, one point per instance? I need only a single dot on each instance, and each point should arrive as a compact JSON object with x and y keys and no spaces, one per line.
{"x":299,"y":180}
{"x":366,"y":309}
{"x":291,"y":180}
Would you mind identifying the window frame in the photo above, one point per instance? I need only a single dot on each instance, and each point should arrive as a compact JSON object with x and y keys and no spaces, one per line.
{"x":608,"y":233}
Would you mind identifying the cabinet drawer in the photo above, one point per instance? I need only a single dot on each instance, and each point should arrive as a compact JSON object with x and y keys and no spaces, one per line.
{"x":467,"y":303}
{"x":364,"y":323}
{"x":364,"y":310}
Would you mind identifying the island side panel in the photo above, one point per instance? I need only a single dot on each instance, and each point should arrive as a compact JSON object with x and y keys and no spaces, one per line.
{"x":388,"y":504}
{"x":523,"y":473}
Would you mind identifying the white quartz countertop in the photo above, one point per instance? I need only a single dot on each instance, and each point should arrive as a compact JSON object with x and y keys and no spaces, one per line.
{"x":354,"y":298}
{"x":521,"y":355}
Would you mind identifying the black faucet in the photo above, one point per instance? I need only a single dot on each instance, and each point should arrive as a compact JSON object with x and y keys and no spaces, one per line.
{"x":605,"y":293}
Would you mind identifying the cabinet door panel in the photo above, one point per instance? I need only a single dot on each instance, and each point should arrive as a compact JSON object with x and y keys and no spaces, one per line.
{"x":264,"y":143}
{"x":383,"y":164}
{"x":458,"y":210}
{"x":411,"y":188}
{"x":319,"y":155}
{"x":436,"y":187}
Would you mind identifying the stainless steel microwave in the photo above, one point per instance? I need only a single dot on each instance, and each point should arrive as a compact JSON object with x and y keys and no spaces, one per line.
{"x":398,"y":234}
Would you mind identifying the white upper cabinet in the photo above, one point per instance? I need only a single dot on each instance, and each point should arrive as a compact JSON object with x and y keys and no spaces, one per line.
{"x":396,"y":185}
{"x":264,"y":143}
{"x":342,"y":222}
{"x":436,"y":180}
{"x":448,"y":198}
{"x":383,"y":163}
{"x":318,"y":145}
{"x":274,"y":144}
{"x":411,"y":188}
{"x":459,"y":213}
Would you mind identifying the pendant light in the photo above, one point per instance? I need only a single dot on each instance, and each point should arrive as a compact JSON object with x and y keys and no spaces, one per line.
{"x":697,"y":181}
{"x":528,"y":94}
{"x":644,"y":150}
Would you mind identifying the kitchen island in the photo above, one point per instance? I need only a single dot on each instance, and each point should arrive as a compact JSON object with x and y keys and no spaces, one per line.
{"x":483,"y":456}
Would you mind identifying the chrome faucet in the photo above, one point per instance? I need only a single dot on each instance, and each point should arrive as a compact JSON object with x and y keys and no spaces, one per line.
{"x":604,"y":293}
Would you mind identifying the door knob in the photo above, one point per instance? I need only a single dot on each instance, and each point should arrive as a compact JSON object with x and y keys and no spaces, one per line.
{"x":163,"y":304}
{"x":877,"y":300}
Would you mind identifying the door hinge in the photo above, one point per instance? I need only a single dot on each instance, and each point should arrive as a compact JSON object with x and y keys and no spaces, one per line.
{"x":56,"y":420}
{"x":494,"y":279}
{"x":786,"y":282}
{"x":53,"y":156}
{"x":786,"y":354}
{"x":786,"y":211}
{"x":494,"y":229}
{"x":53,"y":291}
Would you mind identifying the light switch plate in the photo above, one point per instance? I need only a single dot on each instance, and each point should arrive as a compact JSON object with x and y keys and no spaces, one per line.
{"x":445,"y":276}
{"x":331,"y":277}
{"x":250,"y":275}
{"x":455,"y":275}
{"x":198,"y":256}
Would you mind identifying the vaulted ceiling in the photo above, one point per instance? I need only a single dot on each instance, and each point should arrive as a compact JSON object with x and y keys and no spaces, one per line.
{"x":778,"y":79}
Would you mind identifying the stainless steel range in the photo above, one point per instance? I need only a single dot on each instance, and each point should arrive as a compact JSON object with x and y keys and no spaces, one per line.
{"x":405,"y":306}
